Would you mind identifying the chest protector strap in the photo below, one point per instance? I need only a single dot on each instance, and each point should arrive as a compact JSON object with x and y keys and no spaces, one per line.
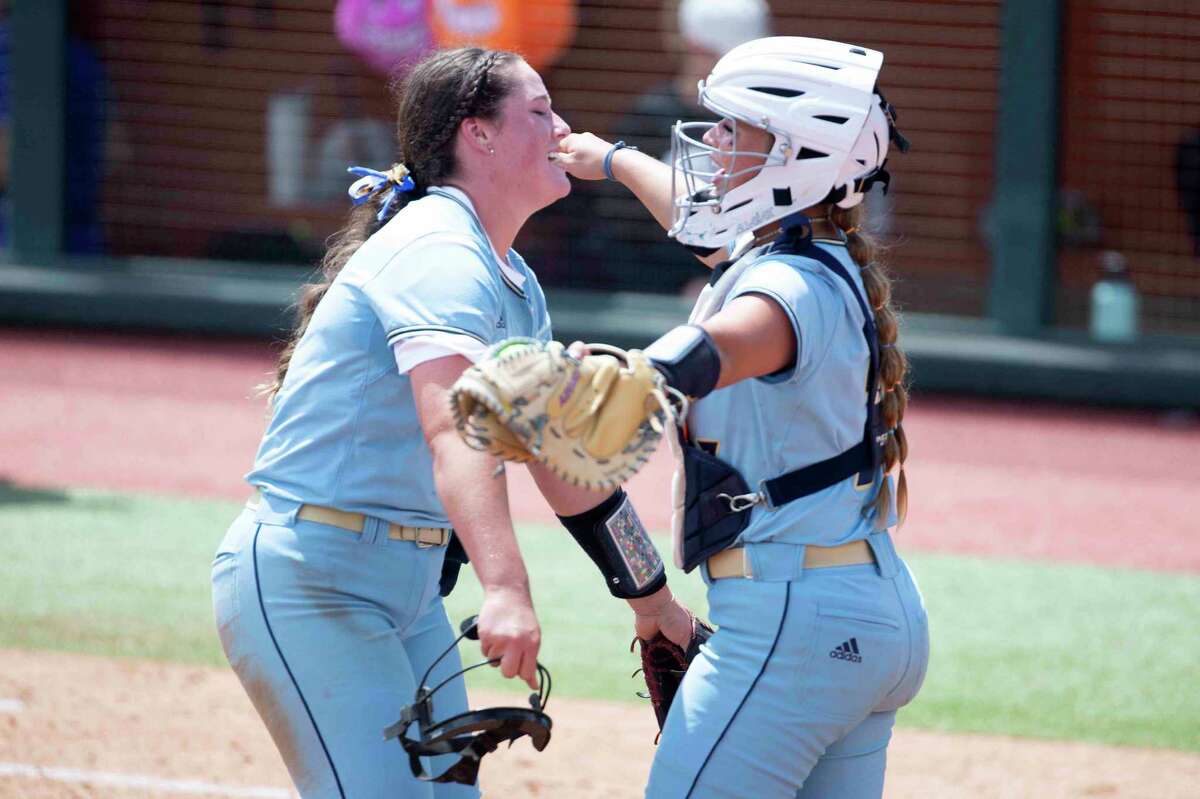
{"x":716,"y":496}
{"x":865,"y":456}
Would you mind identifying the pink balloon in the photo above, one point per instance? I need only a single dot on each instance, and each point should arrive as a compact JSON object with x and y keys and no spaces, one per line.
{"x":384,"y":33}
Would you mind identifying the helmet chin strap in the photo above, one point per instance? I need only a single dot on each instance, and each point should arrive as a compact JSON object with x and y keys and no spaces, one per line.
{"x":793,"y":224}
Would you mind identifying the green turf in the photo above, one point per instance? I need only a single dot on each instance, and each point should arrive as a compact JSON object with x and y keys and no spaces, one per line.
{"x":109,"y":573}
{"x":1019,"y":648}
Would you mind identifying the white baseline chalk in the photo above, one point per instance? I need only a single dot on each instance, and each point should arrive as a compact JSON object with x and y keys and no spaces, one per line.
{"x":142,"y":782}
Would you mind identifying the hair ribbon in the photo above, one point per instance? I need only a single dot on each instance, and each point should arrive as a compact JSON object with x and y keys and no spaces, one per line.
{"x":370,"y":182}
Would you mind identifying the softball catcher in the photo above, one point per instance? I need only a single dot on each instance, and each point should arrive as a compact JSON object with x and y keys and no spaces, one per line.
{"x":791,"y":451}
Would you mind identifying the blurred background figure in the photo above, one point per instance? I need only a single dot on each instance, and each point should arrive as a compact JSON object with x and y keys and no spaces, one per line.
{"x":697,"y":33}
{"x":700,"y":33}
{"x":386,"y":35}
{"x":323,"y":123}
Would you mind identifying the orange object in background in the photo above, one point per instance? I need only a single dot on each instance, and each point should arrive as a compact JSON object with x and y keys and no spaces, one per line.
{"x":537,"y":29}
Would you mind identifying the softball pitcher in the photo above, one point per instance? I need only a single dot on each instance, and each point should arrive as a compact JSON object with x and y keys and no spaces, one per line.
{"x":327,"y":587}
{"x":792,"y":357}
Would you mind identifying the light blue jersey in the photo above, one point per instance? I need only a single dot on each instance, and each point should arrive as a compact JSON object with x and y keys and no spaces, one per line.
{"x":795,"y":694}
{"x":344,"y":431}
{"x":330,"y":629}
{"x":805,"y":414}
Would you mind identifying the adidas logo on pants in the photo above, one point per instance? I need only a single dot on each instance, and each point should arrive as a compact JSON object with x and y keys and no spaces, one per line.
{"x":847,"y":651}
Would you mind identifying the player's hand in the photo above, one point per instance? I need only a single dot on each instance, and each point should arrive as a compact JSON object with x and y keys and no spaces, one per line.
{"x":509,"y":632}
{"x":582,"y":155}
{"x":661,"y":612}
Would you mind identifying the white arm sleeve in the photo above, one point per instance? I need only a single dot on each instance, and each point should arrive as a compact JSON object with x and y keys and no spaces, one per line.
{"x":414,"y":350}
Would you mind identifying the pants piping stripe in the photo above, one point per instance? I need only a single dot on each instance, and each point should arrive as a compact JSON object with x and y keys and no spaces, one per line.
{"x":262,"y":606}
{"x":908,"y":628}
{"x":786,"y":601}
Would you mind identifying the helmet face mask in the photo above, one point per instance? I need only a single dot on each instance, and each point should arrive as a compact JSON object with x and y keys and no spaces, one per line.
{"x":470,"y":735}
{"x":699,"y":183}
{"x":817,"y":100}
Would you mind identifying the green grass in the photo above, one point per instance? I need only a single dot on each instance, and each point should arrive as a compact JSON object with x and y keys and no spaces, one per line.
{"x":1061,"y":651}
{"x":109,"y":574}
{"x":1023,"y":649}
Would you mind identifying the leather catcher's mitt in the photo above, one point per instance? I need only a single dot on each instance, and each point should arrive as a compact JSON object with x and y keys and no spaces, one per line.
{"x":593,"y":421}
{"x":664,"y":663}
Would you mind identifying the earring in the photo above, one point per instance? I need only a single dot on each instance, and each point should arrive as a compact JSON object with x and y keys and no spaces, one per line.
{"x":491,"y":150}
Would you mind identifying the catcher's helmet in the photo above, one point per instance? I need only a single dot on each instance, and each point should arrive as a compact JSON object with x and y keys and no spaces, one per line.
{"x":831,"y":130}
{"x":472,"y":734}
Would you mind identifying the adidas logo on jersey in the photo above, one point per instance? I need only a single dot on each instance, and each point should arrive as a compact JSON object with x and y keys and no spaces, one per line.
{"x":847,"y":651}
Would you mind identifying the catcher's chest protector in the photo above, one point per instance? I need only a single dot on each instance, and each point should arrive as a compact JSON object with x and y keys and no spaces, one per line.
{"x":718,"y":500}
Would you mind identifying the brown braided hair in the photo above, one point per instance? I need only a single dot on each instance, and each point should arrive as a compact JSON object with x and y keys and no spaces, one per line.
{"x":893,"y":363}
{"x":431,"y":102}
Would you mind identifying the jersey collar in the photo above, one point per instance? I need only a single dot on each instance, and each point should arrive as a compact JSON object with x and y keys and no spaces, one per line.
{"x":511,"y":275}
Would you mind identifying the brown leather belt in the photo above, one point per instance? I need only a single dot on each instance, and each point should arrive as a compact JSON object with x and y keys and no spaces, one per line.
{"x":355,"y":522}
{"x":733,"y":562}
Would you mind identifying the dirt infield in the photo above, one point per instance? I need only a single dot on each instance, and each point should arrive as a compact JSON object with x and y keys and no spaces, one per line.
{"x":134,"y":730}
{"x":1019,"y":480}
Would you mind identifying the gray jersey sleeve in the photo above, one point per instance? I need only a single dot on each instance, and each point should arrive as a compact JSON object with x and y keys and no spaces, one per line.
{"x":439,"y":284}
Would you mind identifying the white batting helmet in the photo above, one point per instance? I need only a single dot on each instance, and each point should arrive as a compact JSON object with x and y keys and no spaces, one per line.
{"x":831,"y":131}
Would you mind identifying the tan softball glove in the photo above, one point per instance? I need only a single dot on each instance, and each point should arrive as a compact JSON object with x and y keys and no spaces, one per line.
{"x":593,"y":420}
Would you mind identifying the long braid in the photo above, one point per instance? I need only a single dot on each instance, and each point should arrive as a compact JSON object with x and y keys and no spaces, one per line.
{"x":477,"y":85}
{"x":893,"y":363}
{"x":474,"y":100}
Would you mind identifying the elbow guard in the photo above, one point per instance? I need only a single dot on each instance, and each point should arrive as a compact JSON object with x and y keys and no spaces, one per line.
{"x":688,"y":358}
{"x":613,"y":537}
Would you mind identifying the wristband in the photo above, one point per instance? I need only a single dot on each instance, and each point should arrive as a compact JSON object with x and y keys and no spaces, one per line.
{"x":614,"y":538}
{"x":608,"y":173}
